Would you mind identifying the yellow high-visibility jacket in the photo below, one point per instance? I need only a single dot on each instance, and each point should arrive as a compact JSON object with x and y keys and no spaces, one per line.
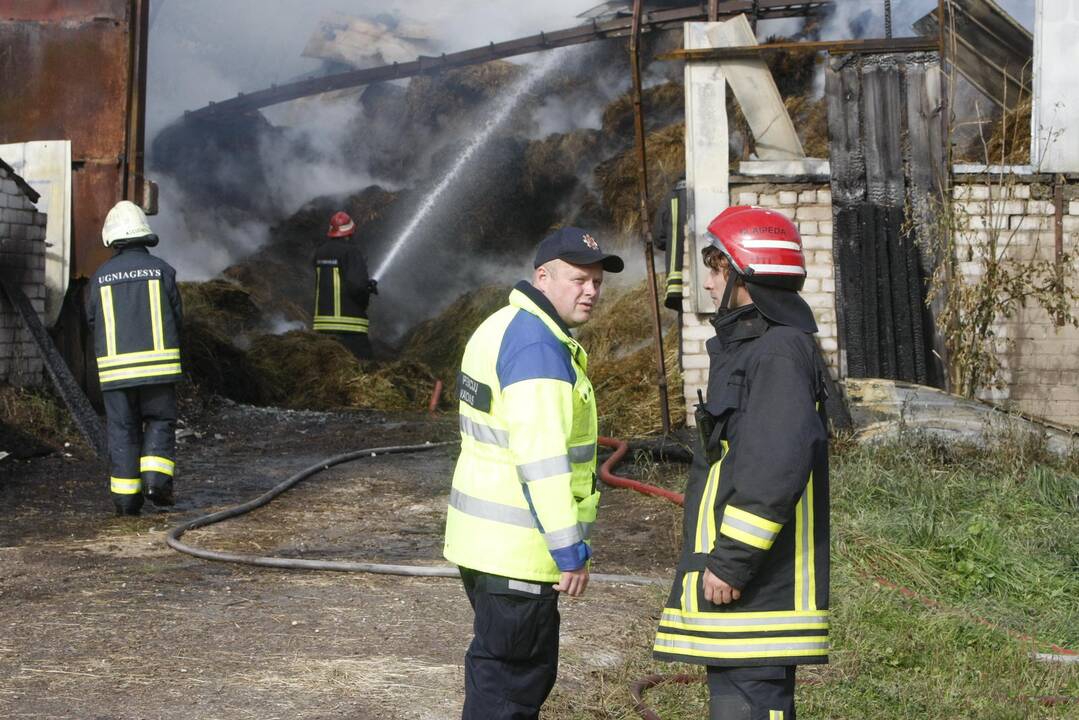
{"x":524,"y":491}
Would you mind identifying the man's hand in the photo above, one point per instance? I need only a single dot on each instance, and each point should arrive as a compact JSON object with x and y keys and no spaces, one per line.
{"x":716,"y":591}
{"x":372,"y":286}
{"x":573,"y":582}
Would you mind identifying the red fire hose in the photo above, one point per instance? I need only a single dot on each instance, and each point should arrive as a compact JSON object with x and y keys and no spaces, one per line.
{"x":620,"y":449}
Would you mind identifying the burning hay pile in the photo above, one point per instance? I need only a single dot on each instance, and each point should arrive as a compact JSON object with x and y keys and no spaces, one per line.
{"x":243,"y":338}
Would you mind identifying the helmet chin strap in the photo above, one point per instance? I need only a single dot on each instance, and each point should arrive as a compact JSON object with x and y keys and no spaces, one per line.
{"x":725,"y":302}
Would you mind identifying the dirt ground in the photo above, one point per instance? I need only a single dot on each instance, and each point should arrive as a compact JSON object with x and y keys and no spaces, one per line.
{"x":100,"y":619}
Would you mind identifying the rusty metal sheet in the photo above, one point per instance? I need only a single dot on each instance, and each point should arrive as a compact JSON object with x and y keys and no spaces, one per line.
{"x":67,"y":69}
{"x":94,"y":192}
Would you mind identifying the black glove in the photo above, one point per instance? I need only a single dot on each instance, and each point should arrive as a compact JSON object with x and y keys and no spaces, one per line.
{"x":372,"y":286}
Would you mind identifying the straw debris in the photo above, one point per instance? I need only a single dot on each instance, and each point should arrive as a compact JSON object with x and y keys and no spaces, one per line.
{"x":618,"y":177}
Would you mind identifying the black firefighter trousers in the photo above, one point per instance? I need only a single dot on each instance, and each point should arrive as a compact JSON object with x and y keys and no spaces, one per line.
{"x":511,"y":665}
{"x":751,"y":693}
{"x":141,"y":427}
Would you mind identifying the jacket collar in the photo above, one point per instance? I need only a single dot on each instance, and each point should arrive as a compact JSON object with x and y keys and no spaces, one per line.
{"x":132,"y":248}
{"x":528,"y":298}
{"x":744,"y":323}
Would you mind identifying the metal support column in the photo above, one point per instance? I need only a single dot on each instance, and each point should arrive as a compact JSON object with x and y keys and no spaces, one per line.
{"x":646,"y":225}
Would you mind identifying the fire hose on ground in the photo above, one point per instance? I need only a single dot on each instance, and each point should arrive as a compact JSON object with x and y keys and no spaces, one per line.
{"x":173,"y":538}
{"x":606,"y":474}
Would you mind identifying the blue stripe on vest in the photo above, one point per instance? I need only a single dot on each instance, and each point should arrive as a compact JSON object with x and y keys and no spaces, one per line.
{"x":530,"y":351}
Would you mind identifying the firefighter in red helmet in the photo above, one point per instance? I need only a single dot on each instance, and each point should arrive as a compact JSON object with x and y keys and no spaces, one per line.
{"x":750,"y":593}
{"x":343,"y":288}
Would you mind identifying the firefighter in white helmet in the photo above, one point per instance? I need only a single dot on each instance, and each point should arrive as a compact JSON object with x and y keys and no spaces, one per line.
{"x":135,"y":317}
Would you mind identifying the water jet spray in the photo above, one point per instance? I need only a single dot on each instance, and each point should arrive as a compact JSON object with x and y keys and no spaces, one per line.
{"x":523,"y":86}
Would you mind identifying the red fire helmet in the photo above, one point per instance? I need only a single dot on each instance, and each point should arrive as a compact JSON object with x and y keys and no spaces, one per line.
{"x":763,"y":246}
{"x":341,"y":225}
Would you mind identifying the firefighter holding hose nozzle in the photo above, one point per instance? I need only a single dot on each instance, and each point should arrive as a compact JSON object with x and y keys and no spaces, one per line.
{"x":750,"y":593}
{"x":343,"y":288}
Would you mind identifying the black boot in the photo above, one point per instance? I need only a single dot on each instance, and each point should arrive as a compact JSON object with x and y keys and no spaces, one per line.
{"x":127,"y":504}
{"x":159,"y":490}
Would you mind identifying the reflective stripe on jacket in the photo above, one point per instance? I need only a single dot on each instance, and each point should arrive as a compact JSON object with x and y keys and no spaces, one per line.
{"x":134,"y":313}
{"x":524,"y":491}
{"x":757,"y":516}
{"x":669,"y":235}
{"x":341,"y":293}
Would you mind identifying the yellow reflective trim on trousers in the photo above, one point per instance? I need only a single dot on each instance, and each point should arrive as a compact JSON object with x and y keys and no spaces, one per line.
{"x":318,"y":283}
{"x":337,"y":292}
{"x":109,"y":317}
{"x":775,"y":715}
{"x":140,"y":372}
{"x":155,"y":314}
{"x":125,"y":486}
{"x":154,"y":463}
{"x":343,"y":320}
{"x":132,"y":358}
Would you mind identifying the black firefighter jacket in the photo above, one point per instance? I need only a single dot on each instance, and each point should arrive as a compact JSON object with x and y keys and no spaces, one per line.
{"x":756,"y":509}
{"x":669,"y":235}
{"x":341,"y":288}
{"x":135,"y":316}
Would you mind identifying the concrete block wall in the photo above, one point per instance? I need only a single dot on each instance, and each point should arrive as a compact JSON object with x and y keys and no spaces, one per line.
{"x":22,"y":263}
{"x":809,"y":205}
{"x":1041,"y":363}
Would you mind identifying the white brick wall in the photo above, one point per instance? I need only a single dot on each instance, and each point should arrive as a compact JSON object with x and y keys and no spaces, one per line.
{"x":22,"y":263}
{"x":810,"y":206}
{"x":1042,"y":368}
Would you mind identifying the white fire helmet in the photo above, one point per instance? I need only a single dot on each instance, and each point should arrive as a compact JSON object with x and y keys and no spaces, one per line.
{"x":126,"y":221}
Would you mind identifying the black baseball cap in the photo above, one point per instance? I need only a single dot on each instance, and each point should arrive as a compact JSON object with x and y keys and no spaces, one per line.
{"x":576,"y":246}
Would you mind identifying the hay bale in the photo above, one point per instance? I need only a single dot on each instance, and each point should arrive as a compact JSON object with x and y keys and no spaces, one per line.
{"x":663,"y":105}
{"x":303,"y":369}
{"x":622,"y":366}
{"x":618,"y":177}
{"x":810,"y":118}
{"x":307,"y":370}
{"x":439,"y":343}
{"x":221,"y":304}
{"x":1009,"y":138}
{"x":215,"y":314}
{"x":402,"y":385}
{"x":435,"y":101}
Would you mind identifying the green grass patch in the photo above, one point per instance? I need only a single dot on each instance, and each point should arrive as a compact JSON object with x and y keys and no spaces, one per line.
{"x":985,"y":545}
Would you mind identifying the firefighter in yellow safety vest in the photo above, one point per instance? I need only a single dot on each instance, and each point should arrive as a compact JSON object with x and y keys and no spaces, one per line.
{"x":524,"y":491}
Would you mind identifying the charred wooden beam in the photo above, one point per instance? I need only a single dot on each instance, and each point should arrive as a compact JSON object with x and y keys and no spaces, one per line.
{"x":834,"y":47}
{"x":618,"y":27}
